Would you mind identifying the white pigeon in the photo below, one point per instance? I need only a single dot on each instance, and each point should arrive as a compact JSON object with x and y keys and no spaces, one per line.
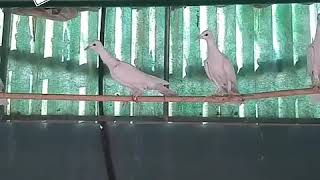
{"x":218,"y":67}
{"x":3,"y":102}
{"x":313,"y":61}
{"x":129,"y":76}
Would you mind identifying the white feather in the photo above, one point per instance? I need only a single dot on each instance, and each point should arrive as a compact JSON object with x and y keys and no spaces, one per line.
{"x":313,"y":61}
{"x":129,"y":76}
{"x":218,"y":67}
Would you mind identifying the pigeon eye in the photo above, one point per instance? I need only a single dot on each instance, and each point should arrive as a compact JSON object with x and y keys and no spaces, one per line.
{"x":206,"y":34}
{"x":94,"y":44}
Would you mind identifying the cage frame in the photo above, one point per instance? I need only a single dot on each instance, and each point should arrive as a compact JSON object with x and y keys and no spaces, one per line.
{"x":140,"y":3}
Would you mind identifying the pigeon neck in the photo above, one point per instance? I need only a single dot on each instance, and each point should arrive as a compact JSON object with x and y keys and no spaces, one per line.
{"x":107,"y":58}
{"x":212,"y":47}
{"x":317,"y":36}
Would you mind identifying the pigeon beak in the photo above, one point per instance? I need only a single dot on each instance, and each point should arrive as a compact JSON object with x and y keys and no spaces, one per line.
{"x":200,"y":37}
{"x":87,"y":48}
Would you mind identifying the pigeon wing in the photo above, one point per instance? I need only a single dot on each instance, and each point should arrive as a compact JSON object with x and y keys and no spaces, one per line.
{"x":130,"y":76}
{"x":229,"y":71}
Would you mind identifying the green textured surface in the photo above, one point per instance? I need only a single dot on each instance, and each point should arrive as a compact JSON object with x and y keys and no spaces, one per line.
{"x":177,"y":83}
{"x":144,"y":60}
{"x":126,"y":49}
{"x":38,"y":69}
{"x":190,"y":84}
{"x":20,"y":68}
{"x":245,"y":23}
{"x":283,"y":57}
{"x":63,"y":77}
{"x":276,"y":69}
{"x":265,"y":74}
{"x":301,"y":39}
{"x":109,"y":84}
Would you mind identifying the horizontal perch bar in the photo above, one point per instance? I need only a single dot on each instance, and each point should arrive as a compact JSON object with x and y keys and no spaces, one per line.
{"x":209,"y":99}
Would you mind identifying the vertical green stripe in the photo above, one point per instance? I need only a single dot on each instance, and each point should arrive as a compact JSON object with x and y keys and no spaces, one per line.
{"x":265,"y":74}
{"x":110,"y":86}
{"x":61,"y":77}
{"x":145,"y":64}
{"x":193,"y":80}
{"x":38,"y":68}
{"x":286,"y":76}
{"x":21,"y":69}
{"x":230,"y":51}
{"x":176,"y":79}
{"x":159,"y":50}
{"x":301,"y":40}
{"x":126,"y":50}
{"x":246,"y":79}
{"x":91,"y":67}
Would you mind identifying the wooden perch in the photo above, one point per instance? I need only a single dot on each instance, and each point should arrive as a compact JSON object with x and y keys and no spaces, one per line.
{"x":210,"y":99}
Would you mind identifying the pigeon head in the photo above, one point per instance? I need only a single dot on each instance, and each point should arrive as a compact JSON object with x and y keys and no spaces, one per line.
{"x":206,"y":35}
{"x":94,"y":45}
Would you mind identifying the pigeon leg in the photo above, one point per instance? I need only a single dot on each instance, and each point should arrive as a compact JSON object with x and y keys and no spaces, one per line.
{"x":220,"y":91}
{"x":315,"y":80}
{"x":135,"y":94}
{"x":229,"y":87}
{"x":135,"y":98}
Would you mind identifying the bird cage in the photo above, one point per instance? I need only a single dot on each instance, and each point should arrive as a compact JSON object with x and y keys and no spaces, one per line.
{"x":50,"y":77}
{"x":266,"y":45}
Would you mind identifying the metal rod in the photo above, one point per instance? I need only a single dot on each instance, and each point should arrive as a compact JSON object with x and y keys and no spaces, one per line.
{"x":101,"y":65}
{"x":104,"y":133}
{"x":141,"y":3}
{"x":5,"y":49}
{"x":210,"y":99}
{"x":112,"y":120}
{"x":166,"y":56}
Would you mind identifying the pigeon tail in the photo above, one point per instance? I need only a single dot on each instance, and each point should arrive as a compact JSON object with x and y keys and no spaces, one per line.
{"x":165,"y":91}
{"x":315,"y":99}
